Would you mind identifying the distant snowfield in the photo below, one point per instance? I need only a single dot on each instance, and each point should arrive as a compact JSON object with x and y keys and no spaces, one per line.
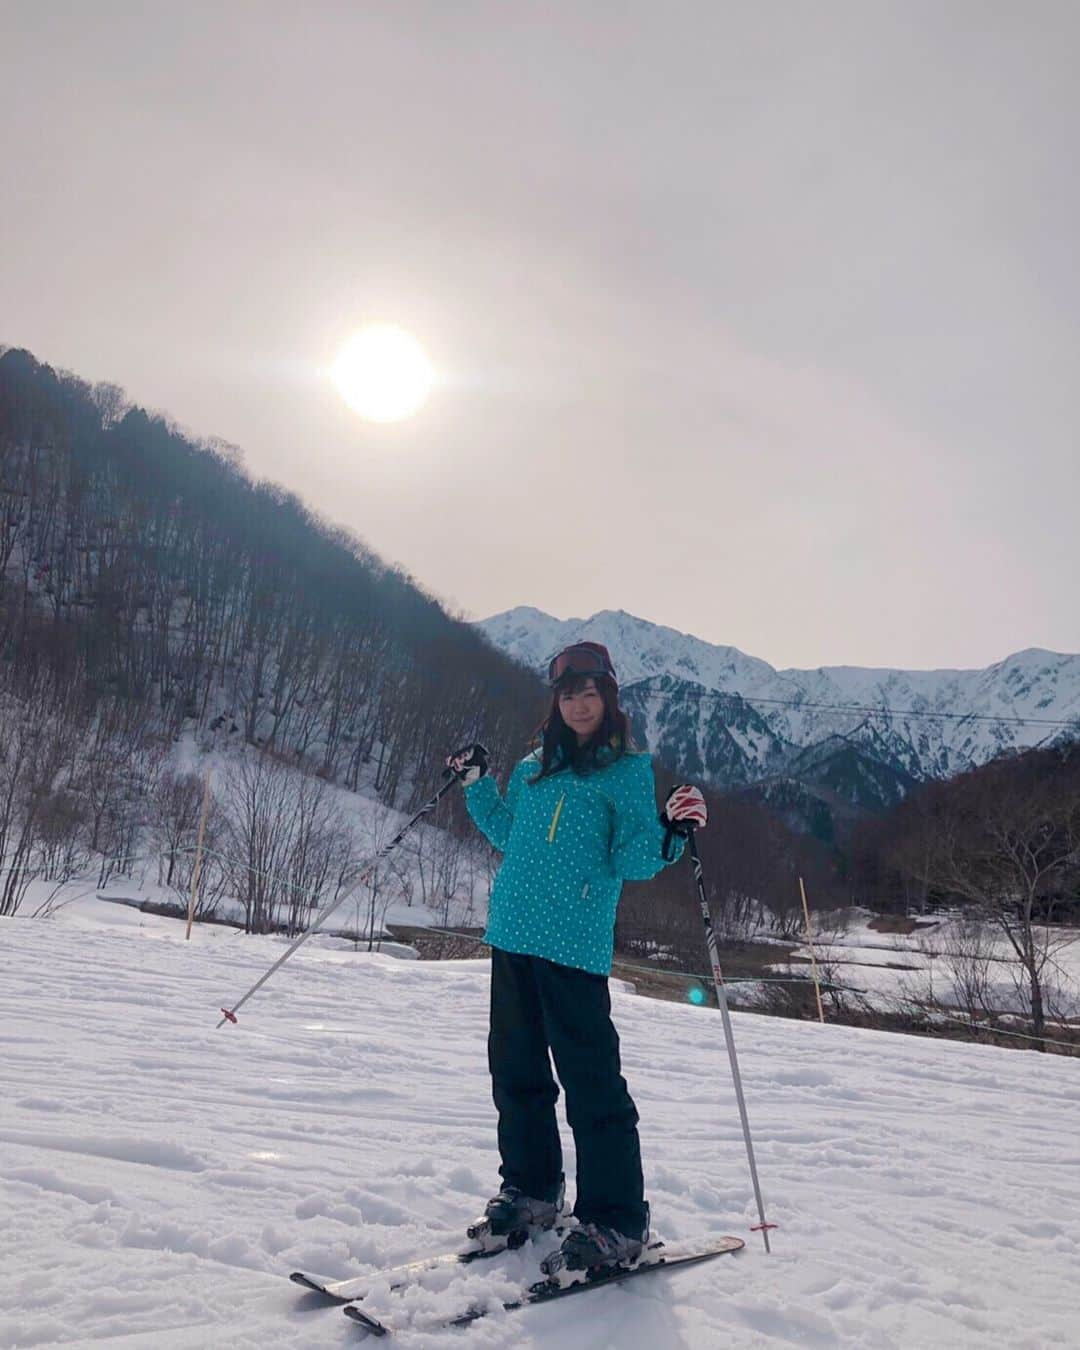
{"x":159,"y":1179}
{"x":890,"y":969}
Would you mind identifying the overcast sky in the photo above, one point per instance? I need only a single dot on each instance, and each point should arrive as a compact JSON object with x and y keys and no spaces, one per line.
{"x":760,"y":320}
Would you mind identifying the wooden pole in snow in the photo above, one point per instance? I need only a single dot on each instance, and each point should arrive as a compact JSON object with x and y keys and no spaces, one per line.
{"x":196,"y":871}
{"x":813,"y":956}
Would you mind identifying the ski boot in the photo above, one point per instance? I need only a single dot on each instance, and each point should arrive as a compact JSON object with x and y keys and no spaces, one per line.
{"x":511,"y":1218}
{"x":592,"y":1250}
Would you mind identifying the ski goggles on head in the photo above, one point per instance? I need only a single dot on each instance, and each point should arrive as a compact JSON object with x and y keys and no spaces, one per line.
{"x":584,"y":658}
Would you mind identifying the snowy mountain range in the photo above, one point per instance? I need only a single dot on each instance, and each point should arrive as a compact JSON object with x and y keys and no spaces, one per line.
{"x":820,"y":744}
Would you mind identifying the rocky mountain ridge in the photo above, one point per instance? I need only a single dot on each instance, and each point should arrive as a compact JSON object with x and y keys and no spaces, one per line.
{"x":820,"y":744}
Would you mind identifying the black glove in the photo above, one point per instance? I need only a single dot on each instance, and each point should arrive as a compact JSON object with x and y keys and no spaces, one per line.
{"x":684,"y":811}
{"x":470,"y":764}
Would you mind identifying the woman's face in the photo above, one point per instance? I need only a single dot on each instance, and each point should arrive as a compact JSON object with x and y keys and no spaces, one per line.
{"x":582,"y":711}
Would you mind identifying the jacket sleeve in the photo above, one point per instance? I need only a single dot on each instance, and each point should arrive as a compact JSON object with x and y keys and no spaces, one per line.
{"x":638,"y":838}
{"x":493,"y":814}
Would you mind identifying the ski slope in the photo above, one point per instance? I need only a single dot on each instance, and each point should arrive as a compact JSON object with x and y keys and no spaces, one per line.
{"x":159,"y":1178}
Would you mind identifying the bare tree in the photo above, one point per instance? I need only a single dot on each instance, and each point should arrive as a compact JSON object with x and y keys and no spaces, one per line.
{"x":376,"y":886}
{"x":321,"y":859}
{"x":35,"y":749}
{"x":970,"y":952}
{"x":174,"y":819}
{"x":287,"y":845}
{"x":111,"y":402}
{"x":256,"y":799}
{"x":175,"y":810}
{"x":1005,"y":840}
{"x":62,"y":837}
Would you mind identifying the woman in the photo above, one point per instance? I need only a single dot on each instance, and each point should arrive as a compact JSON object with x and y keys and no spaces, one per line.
{"x":578,"y":819}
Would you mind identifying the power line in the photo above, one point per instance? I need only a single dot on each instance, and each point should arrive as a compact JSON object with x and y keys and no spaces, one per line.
{"x":858,"y":708}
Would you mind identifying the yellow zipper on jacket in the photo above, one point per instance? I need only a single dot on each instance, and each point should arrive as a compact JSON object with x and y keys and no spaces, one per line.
{"x":555,"y":819}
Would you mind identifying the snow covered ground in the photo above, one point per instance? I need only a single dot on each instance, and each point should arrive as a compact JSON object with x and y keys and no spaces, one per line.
{"x":893,"y":969}
{"x":160,"y":1178}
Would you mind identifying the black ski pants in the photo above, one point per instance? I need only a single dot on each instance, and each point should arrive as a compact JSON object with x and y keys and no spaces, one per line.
{"x":538,"y":1006}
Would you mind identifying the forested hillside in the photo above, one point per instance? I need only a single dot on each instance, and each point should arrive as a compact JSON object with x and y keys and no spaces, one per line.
{"x":138,"y":563}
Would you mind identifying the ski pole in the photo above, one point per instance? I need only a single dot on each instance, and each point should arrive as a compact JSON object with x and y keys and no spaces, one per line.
{"x":721,"y":998}
{"x":429,"y":806}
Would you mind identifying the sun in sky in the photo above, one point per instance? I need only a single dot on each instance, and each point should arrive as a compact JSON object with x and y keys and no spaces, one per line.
{"x":383,"y":373}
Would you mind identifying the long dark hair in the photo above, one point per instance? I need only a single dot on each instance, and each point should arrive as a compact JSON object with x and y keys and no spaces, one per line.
{"x":558,"y":743}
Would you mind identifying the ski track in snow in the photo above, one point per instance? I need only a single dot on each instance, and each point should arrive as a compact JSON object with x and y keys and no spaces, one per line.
{"x":159,"y":1179}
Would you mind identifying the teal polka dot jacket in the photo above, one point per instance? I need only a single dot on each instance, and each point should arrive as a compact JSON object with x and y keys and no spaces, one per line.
{"x":568,"y":844}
